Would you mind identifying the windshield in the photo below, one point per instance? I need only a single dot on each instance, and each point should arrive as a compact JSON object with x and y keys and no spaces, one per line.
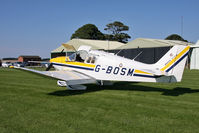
{"x":82,"y":56}
{"x":72,"y":57}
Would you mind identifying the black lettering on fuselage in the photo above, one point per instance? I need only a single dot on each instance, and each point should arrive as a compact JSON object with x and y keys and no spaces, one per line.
{"x":123,"y":71}
{"x":130,"y":72}
{"x":115,"y":70}
{"x":109,"y":69}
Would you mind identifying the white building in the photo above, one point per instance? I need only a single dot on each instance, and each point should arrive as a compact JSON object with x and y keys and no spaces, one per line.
{"x":194,"y":63}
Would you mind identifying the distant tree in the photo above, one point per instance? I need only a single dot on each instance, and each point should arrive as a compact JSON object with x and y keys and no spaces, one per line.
{"x":9,"y":58}
{"x":88,"y":31}
{"x":116,"y":32}
{"x":175,"y":37}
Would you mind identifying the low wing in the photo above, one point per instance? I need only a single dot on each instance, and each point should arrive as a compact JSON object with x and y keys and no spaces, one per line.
{"x":71,"y":77}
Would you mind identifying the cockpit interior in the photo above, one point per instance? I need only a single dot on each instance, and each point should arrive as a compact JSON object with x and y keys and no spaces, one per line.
{"x":83,"y":56}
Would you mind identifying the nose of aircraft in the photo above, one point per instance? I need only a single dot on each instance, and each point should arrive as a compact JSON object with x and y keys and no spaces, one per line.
{"x":51,"y":60}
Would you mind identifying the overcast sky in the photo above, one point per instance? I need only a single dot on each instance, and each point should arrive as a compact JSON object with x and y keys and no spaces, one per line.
{"x":36,"y":27}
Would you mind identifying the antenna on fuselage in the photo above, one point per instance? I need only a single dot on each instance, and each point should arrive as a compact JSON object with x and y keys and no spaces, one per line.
{"x":120,"y":50}
{"x":137,"y":55}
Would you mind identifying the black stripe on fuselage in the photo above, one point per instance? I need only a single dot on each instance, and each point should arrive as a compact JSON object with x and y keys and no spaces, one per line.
{"x":146,"y":76}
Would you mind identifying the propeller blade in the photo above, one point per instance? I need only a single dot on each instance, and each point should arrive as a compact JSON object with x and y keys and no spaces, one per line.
{"x":48,"y":68}
{"x":62,"y":51}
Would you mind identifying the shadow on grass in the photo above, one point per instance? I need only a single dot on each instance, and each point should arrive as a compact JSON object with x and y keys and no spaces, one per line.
{"x":75,"y":92}
{"x":125,"y":86}
{"x":167,"y":92}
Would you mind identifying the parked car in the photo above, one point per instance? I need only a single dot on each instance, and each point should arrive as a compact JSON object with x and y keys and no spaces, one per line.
{"x":19,"y":64}
{"x":6,"y":64}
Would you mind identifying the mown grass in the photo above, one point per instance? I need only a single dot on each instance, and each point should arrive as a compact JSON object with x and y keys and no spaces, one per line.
{"x":34,"y":103}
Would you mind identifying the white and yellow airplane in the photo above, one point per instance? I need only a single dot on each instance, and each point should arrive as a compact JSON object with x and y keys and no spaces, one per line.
{"x":88,"y":66}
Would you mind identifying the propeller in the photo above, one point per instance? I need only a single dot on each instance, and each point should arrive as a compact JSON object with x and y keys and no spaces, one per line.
{"x":49,"y":67}
{"x":62,"y":51}
{"x":68,"y":47}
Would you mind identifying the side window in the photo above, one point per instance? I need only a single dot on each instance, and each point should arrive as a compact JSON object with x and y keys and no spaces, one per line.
{"x":72,"y":57}
{"x":91,"y":59}
{"x":88,"y":60}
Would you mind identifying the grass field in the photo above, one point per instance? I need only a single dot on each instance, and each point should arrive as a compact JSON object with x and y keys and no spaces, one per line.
{"x":35,"y":104}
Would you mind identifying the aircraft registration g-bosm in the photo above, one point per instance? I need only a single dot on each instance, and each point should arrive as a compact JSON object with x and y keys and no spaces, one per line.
{"x":88,"y":66}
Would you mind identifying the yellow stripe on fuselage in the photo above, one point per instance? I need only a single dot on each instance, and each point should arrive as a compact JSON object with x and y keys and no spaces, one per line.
{"x":176,"y":58}
{"x":80,"y":64}
{"x":63,"y":61}
{"x":142,"y":72}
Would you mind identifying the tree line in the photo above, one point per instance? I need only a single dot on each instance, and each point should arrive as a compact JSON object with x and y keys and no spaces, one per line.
{"x":116,"y":32}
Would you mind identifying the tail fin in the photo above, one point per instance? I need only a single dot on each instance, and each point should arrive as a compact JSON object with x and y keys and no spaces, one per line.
{"x":173,"y":62}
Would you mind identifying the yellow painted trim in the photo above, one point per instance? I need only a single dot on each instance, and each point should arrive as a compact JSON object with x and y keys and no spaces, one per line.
{"x":176,"y":58}
{"x":63,"y":61}
{"x":80,"y":64}
{"x":11,"y":66}
{"x":67,"y":58}
{"x":142,"y":72}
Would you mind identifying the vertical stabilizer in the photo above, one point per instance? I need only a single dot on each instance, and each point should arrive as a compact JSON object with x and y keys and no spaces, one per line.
{"x":173,"y":62}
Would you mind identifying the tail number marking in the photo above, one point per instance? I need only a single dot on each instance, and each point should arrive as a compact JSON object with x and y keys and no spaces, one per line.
{"x":115,"y":70}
